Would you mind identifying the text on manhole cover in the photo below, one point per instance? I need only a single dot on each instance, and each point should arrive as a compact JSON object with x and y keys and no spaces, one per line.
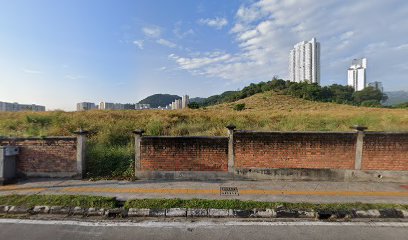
{"x":229,"y":191}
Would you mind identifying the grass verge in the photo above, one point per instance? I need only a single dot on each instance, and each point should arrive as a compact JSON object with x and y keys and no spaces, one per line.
{"x":110,"y":202}
{"x":237,"y":204}
{"x":58,"y":200}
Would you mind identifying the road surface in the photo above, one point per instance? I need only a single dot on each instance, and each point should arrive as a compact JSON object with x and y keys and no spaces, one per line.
{"x":11,"y":229}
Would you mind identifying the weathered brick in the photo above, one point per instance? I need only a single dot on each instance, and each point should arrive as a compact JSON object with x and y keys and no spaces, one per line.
{"x":184,"y":154}
{"x":294,"y":150}
{"x":44,"y":154}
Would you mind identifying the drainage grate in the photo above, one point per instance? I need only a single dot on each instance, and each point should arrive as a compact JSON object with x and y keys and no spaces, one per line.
{"x":229,"y":191}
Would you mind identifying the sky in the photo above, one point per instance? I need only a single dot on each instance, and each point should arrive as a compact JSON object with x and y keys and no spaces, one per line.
{"x":58,"y":53}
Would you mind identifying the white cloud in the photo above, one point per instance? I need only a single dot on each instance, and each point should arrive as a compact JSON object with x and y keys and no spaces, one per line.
{"x":32,"y":71}
{"x":249,"y":14}
{"x":139,"y":43}
{"x":217,"y":22}
{"x":199,"y":62}
{"x":402,"y":47}
{"x":180,"y":33}
{"x":166,"y":43}
{"x":152,"y":31}
{"x":266,"y":30}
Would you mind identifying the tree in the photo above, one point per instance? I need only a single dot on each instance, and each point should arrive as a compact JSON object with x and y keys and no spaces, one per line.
{"x":312,"y":92}
{"x":368,"y":93}
{"x":193,"y":105}
{"x":341,"y":94}
{"x":277,"y":84}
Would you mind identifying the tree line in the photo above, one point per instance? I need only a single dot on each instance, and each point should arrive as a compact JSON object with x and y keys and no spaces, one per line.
{"x":335,"y":93}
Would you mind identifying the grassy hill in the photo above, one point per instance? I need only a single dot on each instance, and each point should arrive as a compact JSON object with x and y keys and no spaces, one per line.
{"x":111,"y":152}
{"x":159,"y":100}
{"x":264,"y":111}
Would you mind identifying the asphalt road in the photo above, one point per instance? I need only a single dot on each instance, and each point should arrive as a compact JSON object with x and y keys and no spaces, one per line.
{"x":64,"y":230}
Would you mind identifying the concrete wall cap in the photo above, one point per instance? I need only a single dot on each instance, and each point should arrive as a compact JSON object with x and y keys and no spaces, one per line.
{"x":81,"y":132}
{"x":138,"y":131}
{"x":359,"y":128}
{"x":231,"y":127}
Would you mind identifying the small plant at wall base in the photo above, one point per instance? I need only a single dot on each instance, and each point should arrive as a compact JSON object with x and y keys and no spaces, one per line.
{"x":110,"y":161}
{"x":239,"y":107}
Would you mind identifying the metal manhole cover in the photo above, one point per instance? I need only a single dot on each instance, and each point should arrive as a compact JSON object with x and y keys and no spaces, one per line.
{"x":229,"y":191}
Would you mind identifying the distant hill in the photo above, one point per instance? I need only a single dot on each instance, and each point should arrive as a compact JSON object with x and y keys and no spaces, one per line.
{"x":159,"y":100}
{"x":217,"y":99}
{"x":197,"y":99}
{"x":396,"y":97}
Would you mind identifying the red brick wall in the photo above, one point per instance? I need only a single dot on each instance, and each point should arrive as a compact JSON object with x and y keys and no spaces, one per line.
{"x":385,"y":151}
{"x":294,"y":150}
{"x":44,"y":155}
{"x":184,"y":154}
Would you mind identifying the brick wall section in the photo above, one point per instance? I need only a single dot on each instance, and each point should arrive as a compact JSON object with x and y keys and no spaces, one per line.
{"x":184,"y":154}
{"x":314,"y":150}
{"x":44,"y":155}
{"x":385,"y":151}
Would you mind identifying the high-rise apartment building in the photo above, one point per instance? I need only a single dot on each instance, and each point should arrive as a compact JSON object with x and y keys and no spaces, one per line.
{"x":83,"y":106}
{"x":377,"y":85}
{"x":16,"y":107}
{"x":177,"y":104}
{"x":185,"y":100}
{"x":180,"y":103}
{"x":357,"y":77}
{"x":304,"y":62}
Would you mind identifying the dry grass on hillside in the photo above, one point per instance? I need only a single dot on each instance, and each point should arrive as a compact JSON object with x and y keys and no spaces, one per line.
{"x":266,"y":111}
{"x":111,"y":153}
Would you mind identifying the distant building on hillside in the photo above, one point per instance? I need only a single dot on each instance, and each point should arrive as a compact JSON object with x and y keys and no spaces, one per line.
{"x":357,"y":77}
{"x":377,"y":85}
{"x":141,"y":106}
{"x":180,"y":103}
{"x":111,"y":106}
{"x":83,"y":106}
{"x":185,"y":101}
{"x":106,"y":106}
{"x":129,"y":106}
{"x":16,"y":107}
{"x":304,"y":62}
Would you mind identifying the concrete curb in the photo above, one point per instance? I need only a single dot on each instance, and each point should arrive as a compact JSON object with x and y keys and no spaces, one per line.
{"x":202,"y":212}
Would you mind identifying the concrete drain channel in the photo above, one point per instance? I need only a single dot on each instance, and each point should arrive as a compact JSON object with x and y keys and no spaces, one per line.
{"x":229,"y":191}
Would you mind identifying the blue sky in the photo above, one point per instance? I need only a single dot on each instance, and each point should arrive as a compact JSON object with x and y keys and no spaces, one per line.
{"x":57,"y":53}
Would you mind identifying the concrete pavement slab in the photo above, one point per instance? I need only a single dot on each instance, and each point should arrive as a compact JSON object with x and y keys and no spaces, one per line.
{"x":280,"y":191}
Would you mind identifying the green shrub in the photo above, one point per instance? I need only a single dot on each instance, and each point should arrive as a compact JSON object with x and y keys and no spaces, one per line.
{"x":371,"y":103}
{"x":239,"y":107}
{"x":155,"y":128}
{"x":110,"y":161}
{"x":193,"y":105}
{"x":58,"y":200}
{"x":39,"y":120}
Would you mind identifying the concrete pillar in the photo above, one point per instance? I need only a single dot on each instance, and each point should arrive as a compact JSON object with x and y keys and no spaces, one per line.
{"x":138,"y":138}
{"x":81,"y":151}
{"x":359,"y":146}
{"x":231,"y":155}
